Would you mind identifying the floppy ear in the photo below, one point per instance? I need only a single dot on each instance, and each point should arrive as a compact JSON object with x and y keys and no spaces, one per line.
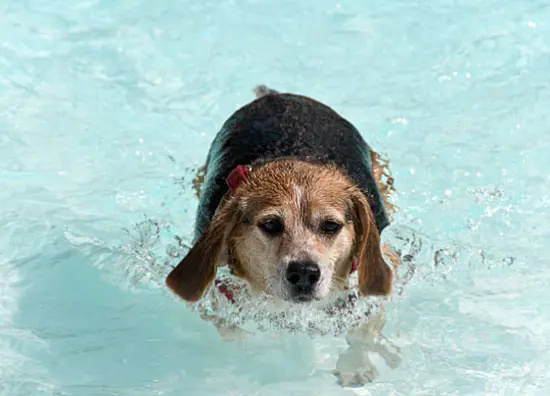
{"x":375,"y":276}
{"x":197,"y":270}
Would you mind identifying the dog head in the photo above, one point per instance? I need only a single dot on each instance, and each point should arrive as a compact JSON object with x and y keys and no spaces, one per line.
{"x":291,"y":230}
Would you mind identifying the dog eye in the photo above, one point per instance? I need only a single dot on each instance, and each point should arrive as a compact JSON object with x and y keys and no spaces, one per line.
{"x":330,"y":227}
{"x":272,"y":226}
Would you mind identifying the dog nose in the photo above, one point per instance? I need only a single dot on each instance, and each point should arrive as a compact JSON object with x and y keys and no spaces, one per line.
{"x":303,"y":275}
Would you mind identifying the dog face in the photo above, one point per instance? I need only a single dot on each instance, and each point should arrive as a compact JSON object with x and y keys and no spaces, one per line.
{"x":296,"y":234}
{"x":292,"y":231}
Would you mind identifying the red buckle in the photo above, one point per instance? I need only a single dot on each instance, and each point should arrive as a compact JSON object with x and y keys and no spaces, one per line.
{"x":237,"y":176}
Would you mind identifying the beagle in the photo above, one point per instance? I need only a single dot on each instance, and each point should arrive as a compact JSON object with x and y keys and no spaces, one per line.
{"x":293,"y":200}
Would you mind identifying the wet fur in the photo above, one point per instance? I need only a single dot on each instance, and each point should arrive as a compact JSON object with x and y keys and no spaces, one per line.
{"x":324,"y":192}
{"x":231,"y":236}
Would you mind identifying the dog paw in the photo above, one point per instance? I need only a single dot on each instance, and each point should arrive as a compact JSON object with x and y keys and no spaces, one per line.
{"x":357,"y":378}
{"x":354,"y":368}
{"x":393,"y":360}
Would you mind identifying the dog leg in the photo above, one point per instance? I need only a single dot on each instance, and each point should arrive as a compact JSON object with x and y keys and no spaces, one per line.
{"x":198,"y":180}
{"x":354,"y":367}
{"x":384,"y":180}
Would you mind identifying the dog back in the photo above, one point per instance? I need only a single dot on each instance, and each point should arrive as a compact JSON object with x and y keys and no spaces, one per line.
{"x":281,"y":126}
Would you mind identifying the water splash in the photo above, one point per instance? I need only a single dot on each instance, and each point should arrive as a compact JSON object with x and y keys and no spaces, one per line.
{"x":266,"y":314}
{"x":153,"y":248}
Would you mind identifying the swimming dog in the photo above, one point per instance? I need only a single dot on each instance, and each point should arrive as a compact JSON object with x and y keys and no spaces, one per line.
{"x":293,"y":200}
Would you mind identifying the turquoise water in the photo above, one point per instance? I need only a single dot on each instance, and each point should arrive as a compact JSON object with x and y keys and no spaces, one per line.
{"x":105,"y":107}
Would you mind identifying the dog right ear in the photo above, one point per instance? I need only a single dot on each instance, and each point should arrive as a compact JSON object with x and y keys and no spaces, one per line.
{"x":194,"y":274}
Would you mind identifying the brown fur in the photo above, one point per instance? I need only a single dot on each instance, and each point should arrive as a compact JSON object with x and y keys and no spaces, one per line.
{"x":198,"y":269}
{"x":301,"y":193}
{"x":198,"y":180}
{"x":384,"y":180}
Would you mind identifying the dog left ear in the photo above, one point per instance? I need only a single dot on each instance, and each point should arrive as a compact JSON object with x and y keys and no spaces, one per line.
{"x":192,"y":276}
{"x":375,"y":276}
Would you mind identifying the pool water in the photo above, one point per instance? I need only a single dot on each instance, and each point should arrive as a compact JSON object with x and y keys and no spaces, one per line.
{"x":107,"y":107}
